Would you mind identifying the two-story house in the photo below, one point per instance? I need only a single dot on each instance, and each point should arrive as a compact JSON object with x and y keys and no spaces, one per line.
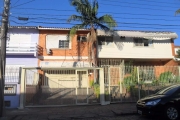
{"x":60,"y":54}
{"x":20,"y":52}
{"x":141,"y":47}
{"x":152,"y":51}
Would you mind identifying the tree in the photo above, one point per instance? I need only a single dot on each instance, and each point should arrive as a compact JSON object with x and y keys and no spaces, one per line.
{"x":177,"y":12}
{"x":88,"y":18}
{"x":178,"y":53}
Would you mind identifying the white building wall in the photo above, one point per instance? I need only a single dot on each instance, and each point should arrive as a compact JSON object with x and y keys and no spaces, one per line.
{"x":125,"y":49}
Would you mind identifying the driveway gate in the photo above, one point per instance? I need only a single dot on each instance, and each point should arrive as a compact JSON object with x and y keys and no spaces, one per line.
{"x":61,"y":86}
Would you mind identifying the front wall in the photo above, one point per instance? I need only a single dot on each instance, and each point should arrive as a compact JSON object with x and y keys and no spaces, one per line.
{"x":14,"y":99}
{"x":126,"y":49}
{"x":24,"y":60}
{"x":74,"y":51}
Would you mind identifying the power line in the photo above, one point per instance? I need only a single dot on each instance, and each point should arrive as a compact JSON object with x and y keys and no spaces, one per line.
{"x":147,"y":19}
{"x":23,"y":3}
{"x":113,"y":17}
{"x":39,"y":14}
{"x":126,"y":24}
{"x":136,"y":3}
{"x":16,"y":2}
{"x":116,"y":21}
{"x":151,"y":1}
{"x":99,"y":12}
{"x":40,"y":18}
{"x":134,"y":7}
{"x":46,"y":9}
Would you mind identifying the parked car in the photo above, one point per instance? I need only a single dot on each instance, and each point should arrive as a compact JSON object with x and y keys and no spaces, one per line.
{"x":165,"y":102}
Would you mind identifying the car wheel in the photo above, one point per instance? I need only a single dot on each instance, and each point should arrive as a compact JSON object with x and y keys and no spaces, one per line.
{"x":171,"y":113}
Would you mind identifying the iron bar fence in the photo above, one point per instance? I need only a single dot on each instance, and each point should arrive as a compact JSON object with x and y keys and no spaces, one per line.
{"x":115,"y":83}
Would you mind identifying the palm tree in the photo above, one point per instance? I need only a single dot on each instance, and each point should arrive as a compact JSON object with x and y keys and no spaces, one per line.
{"x":177,"y":12}
{"x":88,"y":18}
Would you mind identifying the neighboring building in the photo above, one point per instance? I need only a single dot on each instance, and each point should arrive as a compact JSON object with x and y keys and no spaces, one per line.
{"x":20,"y":52}
{"x":152,"y":51}
{"x":176,"y":48}
{"x":140,"y":47}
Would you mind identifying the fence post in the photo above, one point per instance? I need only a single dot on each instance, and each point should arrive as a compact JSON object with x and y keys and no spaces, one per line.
{"x":179,"y":70}
{"x":121,"y":78}
{"x":22,"y":89}
{"x":109,"y":82}
{"x":102,"y":99}
{"x":139,"y":92}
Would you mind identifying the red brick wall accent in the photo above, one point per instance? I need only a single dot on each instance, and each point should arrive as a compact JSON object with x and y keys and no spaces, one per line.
{"x":148,"y":63}
{"x":171,"y":63}
{"x":162,"y":69}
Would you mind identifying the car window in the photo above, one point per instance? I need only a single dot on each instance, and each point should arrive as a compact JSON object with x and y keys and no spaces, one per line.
{"x":169,"y":90}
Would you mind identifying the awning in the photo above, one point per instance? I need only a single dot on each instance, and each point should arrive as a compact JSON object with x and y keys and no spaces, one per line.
{"x":140,"y":34}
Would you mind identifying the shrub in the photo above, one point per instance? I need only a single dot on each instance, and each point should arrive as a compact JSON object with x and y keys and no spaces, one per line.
{"x":91,"y":83}
{"x":165,"y":77}
{"x":129,"y":82}
{"x":97,"y":89}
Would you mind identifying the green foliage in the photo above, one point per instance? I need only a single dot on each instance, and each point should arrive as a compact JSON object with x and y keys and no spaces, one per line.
{"x":88,"y":16}
{"x":91,"y":83}
{"x":155,"y":82}
{"x":165,"y":77}
{"x":129,"y":81}
{"x":178,"y":53}
{"x":177,"y":12}
{"x":129,"y":63}
{"x":177,"y":79}
{"x":97,"y":89}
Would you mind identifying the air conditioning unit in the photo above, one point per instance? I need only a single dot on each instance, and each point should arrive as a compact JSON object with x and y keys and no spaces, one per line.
{"x":81,"y":38}
{"x":49,"y":51}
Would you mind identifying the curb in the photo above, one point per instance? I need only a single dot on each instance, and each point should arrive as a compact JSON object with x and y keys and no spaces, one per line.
{"x":124,"y":113}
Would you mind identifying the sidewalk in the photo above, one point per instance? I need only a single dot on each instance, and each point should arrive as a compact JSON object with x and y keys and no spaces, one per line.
{"x":71,"y":112}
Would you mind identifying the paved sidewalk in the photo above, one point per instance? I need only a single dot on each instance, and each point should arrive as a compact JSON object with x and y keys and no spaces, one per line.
{"x":71,"y":112}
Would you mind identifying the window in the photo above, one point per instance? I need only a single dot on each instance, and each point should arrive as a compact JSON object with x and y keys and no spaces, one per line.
{"x":63,"y":44}
{"x":105,"y":40}
{"x":168,"y":90}
{"x":10,"y":89}
{"x":57,"y":41}
{"x":142,"y":42}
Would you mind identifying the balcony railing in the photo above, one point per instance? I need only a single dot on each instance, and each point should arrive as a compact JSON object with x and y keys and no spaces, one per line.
{"x":20,"y":48}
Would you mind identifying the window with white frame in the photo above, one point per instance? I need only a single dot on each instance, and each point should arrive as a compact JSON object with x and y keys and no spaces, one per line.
{"x":105,"y":41}
{"x":143,"y":42}
{"x":63,"y":44}
{"x":57,"y":41}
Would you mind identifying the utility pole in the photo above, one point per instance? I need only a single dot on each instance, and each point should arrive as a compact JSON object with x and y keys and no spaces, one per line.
{"x":4,"y":30}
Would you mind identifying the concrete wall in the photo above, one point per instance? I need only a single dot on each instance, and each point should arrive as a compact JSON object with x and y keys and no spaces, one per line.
{"x":126,"y":49}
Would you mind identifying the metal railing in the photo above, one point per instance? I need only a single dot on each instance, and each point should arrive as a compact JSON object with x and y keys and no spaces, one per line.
{"x":130,"y":83}
{"x":13,"y":47}
{"x":115,"y":83}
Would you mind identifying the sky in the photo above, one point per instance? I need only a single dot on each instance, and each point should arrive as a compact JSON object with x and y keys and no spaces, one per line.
{"x":148,"y":15}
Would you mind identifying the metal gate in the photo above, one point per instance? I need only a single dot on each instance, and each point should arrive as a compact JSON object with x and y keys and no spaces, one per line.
{"x":82,"y":87}
{"x":59,"y":87}
{"x":113,"y":87}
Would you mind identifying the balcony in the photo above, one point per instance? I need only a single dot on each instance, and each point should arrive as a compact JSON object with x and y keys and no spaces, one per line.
{"x":21,"y":48}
